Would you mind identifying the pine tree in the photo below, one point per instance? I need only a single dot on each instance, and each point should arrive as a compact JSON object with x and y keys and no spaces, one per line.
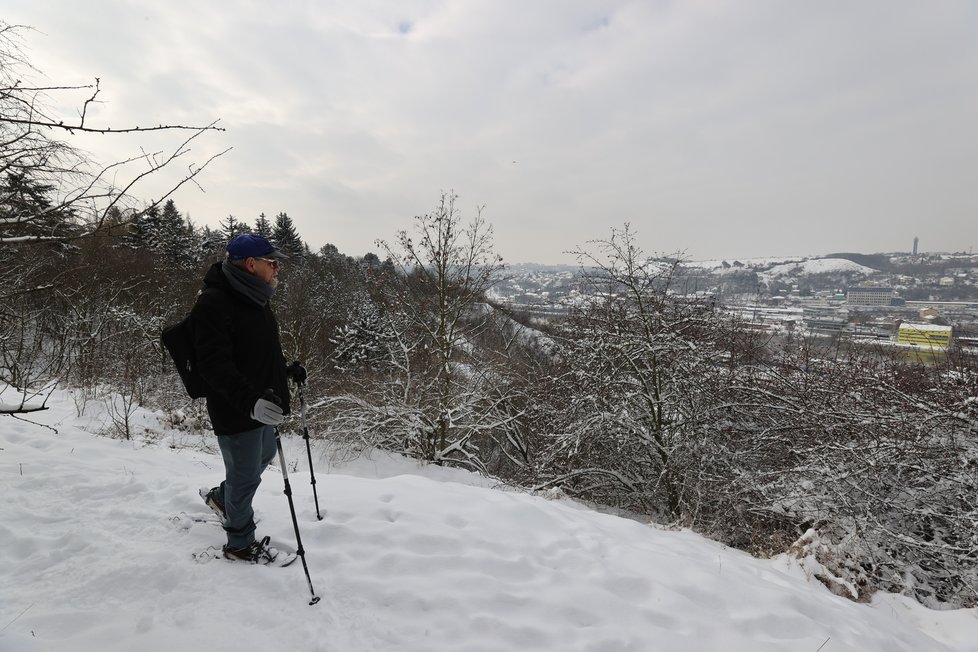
{"x":165,"y":232}
{"x":263,"y":227}
{"x":26,"y":209}
{"x":136,"y":236}
{"x":212,"y":242}
{"x":231,"y":227}
{"x":196,"y":250}
{"x":146,"y":229}
{"x":174,"y":240}
{"x":286,"y":238}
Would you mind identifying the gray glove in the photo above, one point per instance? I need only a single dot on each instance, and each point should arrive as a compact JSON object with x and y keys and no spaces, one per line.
{"x":267,"y":412}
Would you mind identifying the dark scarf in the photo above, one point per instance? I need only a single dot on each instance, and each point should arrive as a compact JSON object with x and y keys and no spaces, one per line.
{"x":247,"y":284}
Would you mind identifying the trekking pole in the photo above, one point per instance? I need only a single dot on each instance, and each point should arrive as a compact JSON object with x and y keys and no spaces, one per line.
{"x":295,"y":522}
{"x":305,"y":435}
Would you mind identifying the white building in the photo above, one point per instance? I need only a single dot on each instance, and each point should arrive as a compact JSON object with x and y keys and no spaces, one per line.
{"x":869,"y":297}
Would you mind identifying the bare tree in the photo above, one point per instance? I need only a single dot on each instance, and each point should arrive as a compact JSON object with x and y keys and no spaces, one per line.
{"x":635,"y":353}
{"x":80,"y":193}
{"x":448,"y":269}
{"x":431,"y":395}
{"x":837,"y":452}
{"x":52,"y":194}
{"x":871,"y":460}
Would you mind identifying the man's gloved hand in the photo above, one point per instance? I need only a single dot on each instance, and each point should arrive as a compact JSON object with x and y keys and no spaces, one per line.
{"x":296,"y":373}
{"x":266,"y":411}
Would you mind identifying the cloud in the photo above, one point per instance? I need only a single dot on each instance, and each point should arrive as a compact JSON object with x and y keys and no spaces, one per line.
{"x":724,"y":128}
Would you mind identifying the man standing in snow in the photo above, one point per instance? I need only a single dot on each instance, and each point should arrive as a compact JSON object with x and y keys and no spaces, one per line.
{"x":239,"y":355}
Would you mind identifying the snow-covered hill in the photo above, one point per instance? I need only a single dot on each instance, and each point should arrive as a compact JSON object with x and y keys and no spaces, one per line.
{"x":820,"y":266}
{"x":746,"y":263}
{"x":790,"y":266}
{"x":407,"y":558}
{"x":816,"y":266}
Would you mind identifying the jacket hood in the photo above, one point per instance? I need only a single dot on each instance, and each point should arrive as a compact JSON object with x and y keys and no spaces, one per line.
{"x":215,"y":277}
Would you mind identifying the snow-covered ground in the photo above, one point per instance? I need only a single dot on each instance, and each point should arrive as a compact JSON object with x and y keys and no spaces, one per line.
{"x":406,"y":558}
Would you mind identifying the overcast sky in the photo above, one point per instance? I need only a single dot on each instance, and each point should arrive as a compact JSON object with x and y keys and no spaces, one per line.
{"x":723,"y":129}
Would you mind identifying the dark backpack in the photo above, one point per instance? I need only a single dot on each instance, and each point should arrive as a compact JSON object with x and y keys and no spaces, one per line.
{"x":178,"y":339}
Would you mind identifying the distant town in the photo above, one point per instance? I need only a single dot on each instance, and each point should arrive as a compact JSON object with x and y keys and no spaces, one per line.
{"x":924,"y":302}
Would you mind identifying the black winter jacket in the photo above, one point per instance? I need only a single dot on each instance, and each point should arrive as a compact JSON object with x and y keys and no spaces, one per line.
{"x":239,"y":353}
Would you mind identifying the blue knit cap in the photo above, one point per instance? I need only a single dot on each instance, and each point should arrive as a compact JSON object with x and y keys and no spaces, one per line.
{"x":249,"y":245}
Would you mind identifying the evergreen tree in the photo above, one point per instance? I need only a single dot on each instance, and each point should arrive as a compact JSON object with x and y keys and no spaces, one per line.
{"x":263,"y":227}
{"x":165,"y":232}
{"x":231,"y":227}
{"x":26,"y":209}
{"x":286,"y":237}
{"x":174,"y":237}
{"x":136,"y":234}
{"x":145,"y":232}
{"x":195,"y":251}
{"x":212,"y":243}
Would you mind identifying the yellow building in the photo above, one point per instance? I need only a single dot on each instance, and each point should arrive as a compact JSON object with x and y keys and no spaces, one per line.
{"x":929,"y":335}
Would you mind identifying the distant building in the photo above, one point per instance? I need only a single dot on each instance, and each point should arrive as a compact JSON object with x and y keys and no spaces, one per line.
{"x":826,"y":324}
{"x":929,"y":313}
{"x":924,"y":335}
{"x":869,"y":297}
{"x":824,"y":319}
{"x":915,"y":241}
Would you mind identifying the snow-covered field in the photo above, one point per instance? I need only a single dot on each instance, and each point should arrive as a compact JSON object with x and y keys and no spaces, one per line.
{"x":406,"y":558}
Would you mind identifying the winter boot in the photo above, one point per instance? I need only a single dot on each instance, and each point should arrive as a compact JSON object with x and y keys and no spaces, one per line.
{"x":258,"y":552}
{"x":215,"y":500}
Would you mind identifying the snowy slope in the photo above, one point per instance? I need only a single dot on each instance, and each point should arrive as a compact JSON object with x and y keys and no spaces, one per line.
{"x":406,"y":558}
{"x":818,"y":266}
{"x":747,"y":263}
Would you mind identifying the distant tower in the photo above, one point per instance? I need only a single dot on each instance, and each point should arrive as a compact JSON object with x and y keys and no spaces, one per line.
{"x":915,"y":241}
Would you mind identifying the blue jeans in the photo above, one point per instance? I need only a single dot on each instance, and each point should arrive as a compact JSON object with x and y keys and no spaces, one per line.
{"x":246,"y":455}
